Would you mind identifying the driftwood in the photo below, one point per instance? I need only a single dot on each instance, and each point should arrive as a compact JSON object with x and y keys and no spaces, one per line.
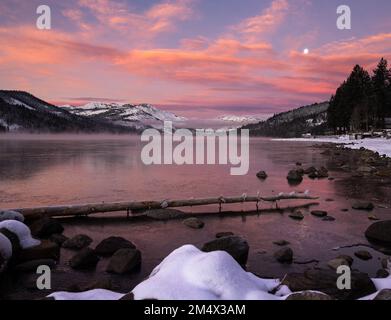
{"x":88,"y":209}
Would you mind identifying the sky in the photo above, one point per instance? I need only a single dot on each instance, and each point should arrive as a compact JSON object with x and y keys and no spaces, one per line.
{"x":197,"y":58}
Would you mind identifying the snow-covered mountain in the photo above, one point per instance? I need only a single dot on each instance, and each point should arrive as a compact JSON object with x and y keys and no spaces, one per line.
{"x":22,"y":112}
{"x":138,"y":116}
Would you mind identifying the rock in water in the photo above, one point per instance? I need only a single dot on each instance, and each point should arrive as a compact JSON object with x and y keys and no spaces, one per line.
{"x":262,"y":175}
{"x":323,"y":173}
{"x":284,"y":255}
{"x":325,"y":280}
{"x":124,"y":261}
{"x":380,"y":232}
{"x":309,"y":295}
{"x":328,"y":218}
{"x":319,"y":213}
{"x":281,"y":243}
{"x":45,"y":227}
{"x":294,"y":176}
{"x":77,"y":242}
{"x":236,"y":246}
{"x":296,"y":215}
{"x":224,"y":234}
{"x":361,"y":205}
{"x":164,"y":214}
{"x":363,"y":255}
{"x":109,"y":246}
{"x":194,"y":223}
{"x":85,"y":259}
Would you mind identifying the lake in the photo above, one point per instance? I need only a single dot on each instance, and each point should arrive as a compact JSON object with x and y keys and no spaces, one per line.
{"x":64,"y":169}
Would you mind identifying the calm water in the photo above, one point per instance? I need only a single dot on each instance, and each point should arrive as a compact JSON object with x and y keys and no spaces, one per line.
{"x":57,"y":170}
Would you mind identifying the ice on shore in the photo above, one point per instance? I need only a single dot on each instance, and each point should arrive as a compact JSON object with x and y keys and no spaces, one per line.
{"x":11,"y":215}
{"x":22,"y":231}
{"x":380,"y":145}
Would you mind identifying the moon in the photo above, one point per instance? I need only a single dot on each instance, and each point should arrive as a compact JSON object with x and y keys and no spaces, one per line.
{"x":306,"y":51}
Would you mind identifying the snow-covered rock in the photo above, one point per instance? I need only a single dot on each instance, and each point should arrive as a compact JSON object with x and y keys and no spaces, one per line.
{"x":5,"y":251}
{"x":11,"y":215}
{"x":96,"y":294}
{"x":22,"y":231}
{"x":190,"y":274}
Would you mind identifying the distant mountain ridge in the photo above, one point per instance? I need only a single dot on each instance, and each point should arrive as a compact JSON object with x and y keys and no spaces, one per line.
{"x":20,"y":111}
{"x":294,"y":123}
{"x":131,"y":115}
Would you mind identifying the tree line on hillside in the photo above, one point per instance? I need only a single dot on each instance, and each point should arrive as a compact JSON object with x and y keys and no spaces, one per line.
{"x":363,"y":101}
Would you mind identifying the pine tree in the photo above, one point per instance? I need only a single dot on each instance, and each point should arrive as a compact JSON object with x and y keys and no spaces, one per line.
{"x":381,"y":81}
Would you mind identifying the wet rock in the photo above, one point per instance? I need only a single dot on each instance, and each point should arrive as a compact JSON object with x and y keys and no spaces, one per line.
{"x":323,"y":173}
{"x":124,"y":261}
{"x":284,"y":255}
{"x":385,"y":294}
{"x":224,"y":234}
{"x":262,"y":175}
{"x":295,"y":176}
{"x":194,"y":223}
{"x":164,"y":214}
{"x":335,"y":263}
{"x":84,"y":259}
{"x":382,"y":273}
{"x":109,"y":246}
{"x":46,"y":250}
{"x":58,"y":238}
{"x":310,"y":170}
{"x":363,"y":255}
{"x":309,"y":295}
{"x":296,"y":215}
{"x":32,"y":265}
{"x":328,"y":218}
{"x":77,"y":242}
{"x":363,"y":205}
{"x":319,"y":213}
{"x":347,"y":258}
{"x":380,"y":232}
{"x":281,"y":243}
{"x":236,"y":246}
{"x":45,"y":227}
{"x":325,"y":280}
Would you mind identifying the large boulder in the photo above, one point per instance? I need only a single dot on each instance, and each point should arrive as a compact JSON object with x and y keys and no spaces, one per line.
{"x":45,"y":227}
{"x":380,"y":232}
{"x":124,"y":261}
{"x":109,"y":246}
{"x":236,"y":246}
{"x":84,"y":259}
{"x":78,"y":242}
{"x":326,"y":281}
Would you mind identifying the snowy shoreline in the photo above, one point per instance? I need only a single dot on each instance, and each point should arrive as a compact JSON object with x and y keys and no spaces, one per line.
{"x":380,"y":145}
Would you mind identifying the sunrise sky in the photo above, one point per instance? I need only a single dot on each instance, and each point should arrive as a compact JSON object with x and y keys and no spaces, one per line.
{"x":198,"y":58}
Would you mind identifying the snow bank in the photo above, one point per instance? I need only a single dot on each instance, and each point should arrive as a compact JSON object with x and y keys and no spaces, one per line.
{"x":381,"y":145}
{"x":190,"y":274}
{"x":22,"y":231}
{"x":11,"y":215}
{"x":97,"y":294}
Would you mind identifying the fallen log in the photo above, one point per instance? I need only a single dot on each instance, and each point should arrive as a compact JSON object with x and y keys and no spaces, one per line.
{"x":88,"y":209}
